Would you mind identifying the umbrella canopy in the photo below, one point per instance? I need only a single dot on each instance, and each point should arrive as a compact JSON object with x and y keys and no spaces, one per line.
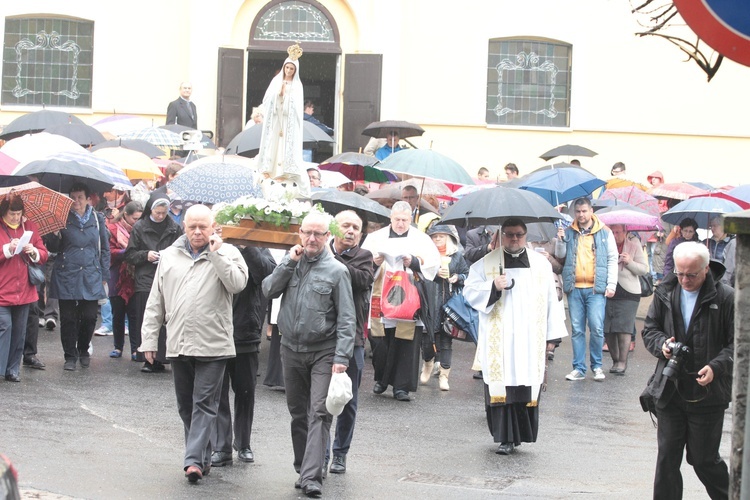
{"x":60,"y":171}
{"x":741,"y":192}
{"x":622,"y":182}
{"x":224,"y":159}
{"x":334,"y":201}
{"x":494,"y":206}
{"x":567,"y":150}
{"x":559,"y":185}
{"x":122,"y":124}
{"x":464,"y":190}
{"x":206,"y":141}
{"x":35,"y":146}
{"x":156,"y":136}
{"x":48,"y":209}
{"x":402,"y":128}
{"x":36,"y":122}
{"x":331,"y":179}
{"x":425,"y":187}
{"x":216,"y":182}
{"x":744,"y":205}
{"x":387,"y":196}
{"x":358,"y":167}
{"x":247,"y":142}
{"x":633,"y":196}
{"x":139,"y":145}
{"x":7,"y":164}
{"x":676,"y":191}
{"x":136,"y":165}
{"x":426,"y":163}
{"x":702,"y":209}
{"x":635,"y":219}
{"x":80,"y":133}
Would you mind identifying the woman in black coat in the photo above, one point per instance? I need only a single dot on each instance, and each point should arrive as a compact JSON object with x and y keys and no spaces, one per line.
{"x":150,"y":235}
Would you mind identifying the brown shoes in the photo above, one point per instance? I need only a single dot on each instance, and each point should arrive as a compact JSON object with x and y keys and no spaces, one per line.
{"x":193,"y":473}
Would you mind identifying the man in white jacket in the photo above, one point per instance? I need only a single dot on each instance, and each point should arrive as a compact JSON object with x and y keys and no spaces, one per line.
{"x":192,"y":294}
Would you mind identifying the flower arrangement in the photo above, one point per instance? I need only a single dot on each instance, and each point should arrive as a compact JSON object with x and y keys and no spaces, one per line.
{"x":276,"y":213}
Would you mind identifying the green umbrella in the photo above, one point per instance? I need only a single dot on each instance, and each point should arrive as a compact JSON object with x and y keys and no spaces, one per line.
{"x":426,"y":163}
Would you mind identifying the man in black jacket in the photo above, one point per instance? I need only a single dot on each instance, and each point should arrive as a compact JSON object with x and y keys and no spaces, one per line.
{"x":478,"y":243}
{"x":346,"y":249}
{"x":692,"y":307}
{"x":249,"y":308}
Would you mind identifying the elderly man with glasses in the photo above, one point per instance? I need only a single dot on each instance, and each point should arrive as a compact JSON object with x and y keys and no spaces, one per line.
{"x":317,"y":322}
{"x":689,"y":328}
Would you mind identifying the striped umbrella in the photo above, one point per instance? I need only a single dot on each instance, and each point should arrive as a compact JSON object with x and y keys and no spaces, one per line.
{"x":61,"y":170}
{"x":156,"y":136}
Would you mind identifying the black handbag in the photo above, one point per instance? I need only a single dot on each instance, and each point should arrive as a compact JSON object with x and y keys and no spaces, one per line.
{"x":647,"y":285}
{"x":36,"y":273}
{"x":430,"y":308}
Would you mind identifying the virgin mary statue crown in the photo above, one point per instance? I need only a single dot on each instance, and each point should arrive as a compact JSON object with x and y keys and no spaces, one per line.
{"x":294,"y":51}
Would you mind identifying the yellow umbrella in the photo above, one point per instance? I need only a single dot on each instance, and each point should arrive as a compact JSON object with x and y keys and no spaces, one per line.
{"x":135,"y":165}
{"x":621,"y":182}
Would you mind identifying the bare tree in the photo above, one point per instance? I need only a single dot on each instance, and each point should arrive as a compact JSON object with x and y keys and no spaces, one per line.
{"x":660,"y":18}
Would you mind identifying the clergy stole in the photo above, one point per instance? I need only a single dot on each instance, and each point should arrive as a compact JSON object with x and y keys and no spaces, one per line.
{"x":491,"y":354}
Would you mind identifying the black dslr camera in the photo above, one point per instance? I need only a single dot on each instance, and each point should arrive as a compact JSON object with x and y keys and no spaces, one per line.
{"x":679,"y":352}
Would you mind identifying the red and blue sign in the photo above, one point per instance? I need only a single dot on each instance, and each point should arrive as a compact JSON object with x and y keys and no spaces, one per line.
{"x":723,"y":24}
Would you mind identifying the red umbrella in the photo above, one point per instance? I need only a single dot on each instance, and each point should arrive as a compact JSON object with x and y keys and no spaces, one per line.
{"x":7,"y":164}
{"x":634,"y":196}
{"x":47,"y":208}
{"x":676,"y":191}
{"x":745,"y":205}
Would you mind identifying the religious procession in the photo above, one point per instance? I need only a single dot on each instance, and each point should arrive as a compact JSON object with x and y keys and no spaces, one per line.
{"x":353,"y":262}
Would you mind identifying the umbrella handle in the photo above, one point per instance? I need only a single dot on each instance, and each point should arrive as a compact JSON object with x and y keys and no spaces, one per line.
{"x":512,"y":284}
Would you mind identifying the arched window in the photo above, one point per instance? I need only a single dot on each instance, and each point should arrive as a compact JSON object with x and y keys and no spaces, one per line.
{"x":528,"y":82}
{"x":47,"y":61}
{"x":294,"y":20}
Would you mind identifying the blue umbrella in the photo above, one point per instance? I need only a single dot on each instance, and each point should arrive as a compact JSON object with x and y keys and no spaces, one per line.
{"x":742,"y":192}
{"x":559,"y":185}
{"x":701,"y":208}
{"x":216,"y":182}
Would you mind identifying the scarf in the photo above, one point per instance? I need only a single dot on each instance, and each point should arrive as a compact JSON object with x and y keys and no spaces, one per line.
{"x":83,"y":219}
{"x":441,"y":249}
{"x":122,"y":235}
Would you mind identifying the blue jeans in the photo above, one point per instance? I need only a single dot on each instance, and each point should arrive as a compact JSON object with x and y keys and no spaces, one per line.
{"x":12,"y":336}
{"x":586,"y":306}
{"x":107,"y":316}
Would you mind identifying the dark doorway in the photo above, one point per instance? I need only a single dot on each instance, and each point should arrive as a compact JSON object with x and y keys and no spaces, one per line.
{"x":318,"y":75}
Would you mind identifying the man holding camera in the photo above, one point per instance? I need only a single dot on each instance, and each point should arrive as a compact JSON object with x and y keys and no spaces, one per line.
{"x":690,"y":329}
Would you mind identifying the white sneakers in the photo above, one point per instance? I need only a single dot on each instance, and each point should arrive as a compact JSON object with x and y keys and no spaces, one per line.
{"x":576,"y":375}
{"x":103,"y":331}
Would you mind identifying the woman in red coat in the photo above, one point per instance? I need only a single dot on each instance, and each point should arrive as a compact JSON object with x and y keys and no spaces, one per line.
{"x":16,"y":292}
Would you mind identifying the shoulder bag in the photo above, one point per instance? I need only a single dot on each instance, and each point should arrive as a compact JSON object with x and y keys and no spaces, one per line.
{"x":647,"y":285}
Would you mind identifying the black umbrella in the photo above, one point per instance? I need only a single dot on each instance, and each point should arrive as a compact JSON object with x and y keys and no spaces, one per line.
{"x":80,"y":133}
{"x":36,"y":122}
{"x":247,"y":142}
{"x":567,"y":150}
{"x":179,"y":129}
{"x":494,"y":206}
{"x":60,"y":172}
{"x":139,"y":145}
{"x":402,"y":128}
{"x":335,"y":201}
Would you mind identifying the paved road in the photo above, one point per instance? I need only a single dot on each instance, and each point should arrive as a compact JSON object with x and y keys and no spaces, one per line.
{"x":113,"y":432}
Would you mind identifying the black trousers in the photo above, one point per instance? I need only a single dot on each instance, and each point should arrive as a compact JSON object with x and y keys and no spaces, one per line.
{"x":701,"y":434}
{"x":77,"y":323}
{"x":32,"y":331}
{"x":119,"y":310}
{"x":140,"y":299}
{"x":241,"y":375}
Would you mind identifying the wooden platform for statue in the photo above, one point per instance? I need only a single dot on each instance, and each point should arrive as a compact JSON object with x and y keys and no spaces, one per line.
{"x":259,"y":234}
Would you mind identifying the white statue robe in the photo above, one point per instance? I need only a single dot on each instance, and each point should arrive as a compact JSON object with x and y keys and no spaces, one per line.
{"x":513,"y":331}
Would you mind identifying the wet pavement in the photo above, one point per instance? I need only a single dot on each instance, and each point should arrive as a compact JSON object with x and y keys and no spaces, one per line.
{"x":111,"y":431}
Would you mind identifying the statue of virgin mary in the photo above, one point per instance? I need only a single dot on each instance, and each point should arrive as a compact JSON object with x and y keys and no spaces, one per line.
{"x":280,"y":155}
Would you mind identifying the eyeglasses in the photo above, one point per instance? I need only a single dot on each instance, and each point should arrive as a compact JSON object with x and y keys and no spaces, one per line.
{"x":690,"y":276}
{"x":514,"y":235}
{"x":317,"y":234}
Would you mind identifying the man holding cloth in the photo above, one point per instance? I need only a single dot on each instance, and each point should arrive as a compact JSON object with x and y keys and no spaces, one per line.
{"x":396,"y":343}
{"x":693,"y":307}
{"x":317,"y":324}
{"x":513,"y":289}
{"x":192,"y":293}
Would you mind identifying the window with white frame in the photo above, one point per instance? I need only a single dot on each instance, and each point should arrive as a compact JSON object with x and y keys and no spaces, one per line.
{"x":47,"y":61}
{"x":528,"y":82}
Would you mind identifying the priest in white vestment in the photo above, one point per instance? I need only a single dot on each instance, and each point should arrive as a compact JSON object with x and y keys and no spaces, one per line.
{"x":513,"y":288}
